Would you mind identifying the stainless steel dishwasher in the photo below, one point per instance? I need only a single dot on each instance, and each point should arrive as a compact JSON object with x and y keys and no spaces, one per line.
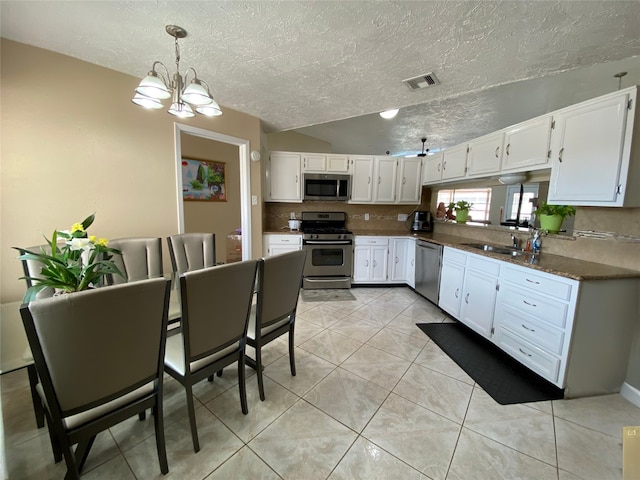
{"x":428,"y":262}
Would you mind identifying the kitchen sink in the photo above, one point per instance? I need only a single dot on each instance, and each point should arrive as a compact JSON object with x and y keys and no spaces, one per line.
{"x":495,"y":249}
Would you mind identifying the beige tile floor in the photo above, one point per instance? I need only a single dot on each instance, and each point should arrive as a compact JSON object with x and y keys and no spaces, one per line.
{"x":373,"y":398}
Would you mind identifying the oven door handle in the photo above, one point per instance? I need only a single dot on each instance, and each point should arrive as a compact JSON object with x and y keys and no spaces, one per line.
{"x":328,"y":243}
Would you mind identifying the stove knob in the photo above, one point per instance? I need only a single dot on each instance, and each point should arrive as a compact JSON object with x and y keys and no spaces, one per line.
{"x":315,"y":236}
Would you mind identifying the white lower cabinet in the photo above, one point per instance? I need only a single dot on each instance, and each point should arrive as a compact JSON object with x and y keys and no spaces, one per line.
{"x":274,"y":244}
{"x":370,"y":257}
{"x":411,"y":262}
{"x":479,"y":294}
{"x":398,"y":260}
{"x":575,"y":334}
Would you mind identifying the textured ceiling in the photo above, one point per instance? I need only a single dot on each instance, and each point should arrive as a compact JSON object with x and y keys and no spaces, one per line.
{"x":331,"y":66}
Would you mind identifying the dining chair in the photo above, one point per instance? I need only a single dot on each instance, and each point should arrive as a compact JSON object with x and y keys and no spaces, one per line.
{"x":99,"y":355}
{"x":141,"y":258}
{"x":279,"y":282}
{"x":216,"y":303}
{"x":192,"y":251}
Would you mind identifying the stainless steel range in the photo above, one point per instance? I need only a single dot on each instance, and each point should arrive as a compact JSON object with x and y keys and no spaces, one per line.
{"x":329,"y":247}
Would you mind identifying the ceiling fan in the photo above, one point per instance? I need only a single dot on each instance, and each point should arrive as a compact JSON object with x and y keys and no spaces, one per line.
{"x":424,"y":152}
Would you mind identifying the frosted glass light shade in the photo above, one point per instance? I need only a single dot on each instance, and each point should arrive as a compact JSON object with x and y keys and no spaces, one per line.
{"x":389,"y":114}
{"x":181,"y":110}
{"x":152,"y":86}
{"x":146,"y":102}
{"x":210,"y":110}
{"x":512,"y":178}
{"x":196,"y":94}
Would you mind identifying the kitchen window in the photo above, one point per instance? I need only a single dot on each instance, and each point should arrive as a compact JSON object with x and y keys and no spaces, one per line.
{"x":513,"y":196}
{"x":479,"y":197}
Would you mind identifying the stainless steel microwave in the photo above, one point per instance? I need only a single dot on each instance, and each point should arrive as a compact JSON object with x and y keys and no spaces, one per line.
{"x":326,"y":186}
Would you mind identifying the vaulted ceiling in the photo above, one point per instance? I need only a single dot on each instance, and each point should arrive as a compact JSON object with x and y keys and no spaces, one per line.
{"x":326,"y":68}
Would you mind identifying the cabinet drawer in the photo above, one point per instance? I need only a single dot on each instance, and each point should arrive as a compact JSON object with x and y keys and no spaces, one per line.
{"x":453,"y":255}
{"x":485,"y":265}
{"x":372,"y":241}
{"x":284,"y":239}
{"x":543,"y":308}
{"x":539,"y":334}
{"x":541,"y":362}
{"x":539,"y":282}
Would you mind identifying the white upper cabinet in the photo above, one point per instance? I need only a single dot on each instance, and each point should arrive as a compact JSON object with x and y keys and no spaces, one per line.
{"x":320,"y":162}
{"x":454,"y":162}
{"x":526,"y":145}
{"x":384,"y":189}
{"x":361,"y":178}
{"x":409,"y":182}
{"x":485,"y":155}
{"x":283,"y":178}
{"x":432,"y":171}
{"x":591,"y":153}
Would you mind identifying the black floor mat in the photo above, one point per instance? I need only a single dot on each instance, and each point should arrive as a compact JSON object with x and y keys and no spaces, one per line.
{"x":502,"y":377}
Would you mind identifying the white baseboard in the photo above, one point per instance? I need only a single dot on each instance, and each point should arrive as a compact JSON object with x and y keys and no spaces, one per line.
{"x":630,"y":393}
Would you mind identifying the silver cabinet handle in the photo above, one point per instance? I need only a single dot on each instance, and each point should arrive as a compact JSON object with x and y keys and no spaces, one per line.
{"x":444,"y":165}
{"x":466,"y":299}
{"x":456,"y":293}
{"x":296,"y":178}
{"x":368,"y":180}
{"x":532,"y":281}
{"x":439,"y":167}
{"x":525,"y":353}
{"x":375,"y":264}
{"x":397,"y":259}
{"x":530,"y":304}
{"x":507,"y":149}
{"x":379,"y":180}
{"x":367,"y":263}
{"x":497,"y":150}
{"x":527,"y":328}
{"x":560,"y":154}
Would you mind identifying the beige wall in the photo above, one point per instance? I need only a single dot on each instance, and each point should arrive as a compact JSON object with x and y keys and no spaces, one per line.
{"x":68,"y":151}
{"x":296,"y":142}
{"x":220,"y":218}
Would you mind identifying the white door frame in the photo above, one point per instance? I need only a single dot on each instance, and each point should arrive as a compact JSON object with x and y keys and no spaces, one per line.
{"x":245,"y":178}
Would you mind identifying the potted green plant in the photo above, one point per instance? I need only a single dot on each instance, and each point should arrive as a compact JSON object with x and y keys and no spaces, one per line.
{"x":461,"y":207}
{"x":81,"y":262}
{"x":552,"y":216}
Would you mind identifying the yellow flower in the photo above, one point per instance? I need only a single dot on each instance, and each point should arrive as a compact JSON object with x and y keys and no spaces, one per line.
{"x":92,"y":238}
{"x":103,"y":242}
{"x":77,"y":227}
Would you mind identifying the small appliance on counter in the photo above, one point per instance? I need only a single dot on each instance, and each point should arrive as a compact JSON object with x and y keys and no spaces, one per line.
{"x":421,"y":221}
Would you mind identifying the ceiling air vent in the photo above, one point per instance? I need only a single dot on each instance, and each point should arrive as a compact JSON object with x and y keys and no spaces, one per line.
{"x":422,"y":81}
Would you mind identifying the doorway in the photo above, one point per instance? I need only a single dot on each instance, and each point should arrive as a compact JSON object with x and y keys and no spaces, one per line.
{"x":245,"y":180}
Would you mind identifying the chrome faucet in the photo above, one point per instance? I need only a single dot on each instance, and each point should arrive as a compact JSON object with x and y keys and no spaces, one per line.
{"x":514,"y":241}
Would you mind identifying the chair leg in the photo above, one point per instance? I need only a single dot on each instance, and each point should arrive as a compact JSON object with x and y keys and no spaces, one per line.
{"x":242,"y":384}
{"x":142,"y":415}
{"x":219,"y":373}
{"x":55,"y":444}
{"x":73,"y":472}
{"x":258,"y":349}
{"x":158,"y":423}
{"x":82,"y":452}
{"x":292,"y":358}
{"x":192,"y":418}
{"x":210,"y":378}
{"x":37,"y":401}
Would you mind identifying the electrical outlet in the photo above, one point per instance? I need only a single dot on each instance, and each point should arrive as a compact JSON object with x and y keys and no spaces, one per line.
{"x":366,"y":216}
{"x":254,"y":199}
{"x":402,"y":217}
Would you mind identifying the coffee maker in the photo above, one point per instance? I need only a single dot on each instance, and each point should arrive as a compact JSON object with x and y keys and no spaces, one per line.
{"x":421,"y":221}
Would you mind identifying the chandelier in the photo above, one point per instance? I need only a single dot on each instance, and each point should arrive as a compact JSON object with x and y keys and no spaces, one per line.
{"x":157,"y":86}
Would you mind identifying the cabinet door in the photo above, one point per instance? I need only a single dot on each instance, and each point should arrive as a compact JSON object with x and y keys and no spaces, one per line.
{"x":385,"y":183}
{"x":379,"y":258}
{"x":527,"y":144}
{"x":454,"y":162}
{"x":284,"y":177}
{"x":478,"y":301}
{"x":398,"y":260}
{"x":409,"y":182}
{"x":485,"y":154}
{"x":361,"y":179}
{"x":312,"y":162}
{"x":432,"y":172}
{"x":278,"y":249}
{"x":586,"y":151}
{"x":411,"y":263}
{"x":338,"y":163}
{"x":451,"y":280}
{"x":361,"y":264}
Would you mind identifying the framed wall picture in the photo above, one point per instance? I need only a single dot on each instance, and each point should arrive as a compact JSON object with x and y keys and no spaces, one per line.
{"x":203,"y":181}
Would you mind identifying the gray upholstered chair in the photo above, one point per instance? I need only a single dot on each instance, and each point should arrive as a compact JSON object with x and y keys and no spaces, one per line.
{"x":279,"y":282}
{"x":141,"y":259}
{"x":32,"y":270}
{"x":216,"y":303}
{"x":192,"y":251}
{"x":99,"y":355}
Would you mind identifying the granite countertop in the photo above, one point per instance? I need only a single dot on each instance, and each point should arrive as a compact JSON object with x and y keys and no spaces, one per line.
{"x":555,"y":264}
